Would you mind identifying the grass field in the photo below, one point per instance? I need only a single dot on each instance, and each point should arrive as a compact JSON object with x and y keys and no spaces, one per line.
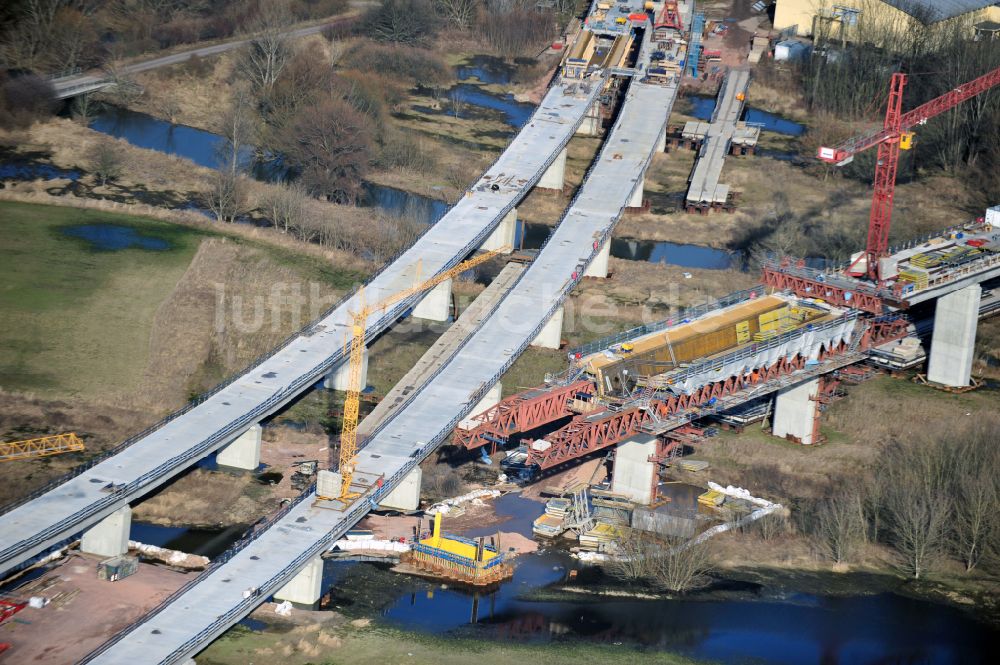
{"x":379,"y":645}
{"x":76,"y":320}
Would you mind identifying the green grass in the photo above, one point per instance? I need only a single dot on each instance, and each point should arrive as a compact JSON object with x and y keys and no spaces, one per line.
{"x":76,"y":321}
{"x":380,"y":645}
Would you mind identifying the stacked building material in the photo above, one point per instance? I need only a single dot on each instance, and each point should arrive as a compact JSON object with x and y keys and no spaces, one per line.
{"x":712,"y":498}
{"x":601,"y":537}
{"x":692,"y":465}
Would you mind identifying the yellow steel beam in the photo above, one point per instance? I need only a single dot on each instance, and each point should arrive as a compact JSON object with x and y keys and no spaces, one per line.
{"x":349,"y":433}
{"x":42,"y":447}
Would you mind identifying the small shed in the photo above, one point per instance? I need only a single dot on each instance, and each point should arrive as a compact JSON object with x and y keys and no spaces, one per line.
{"x":117,"y":568}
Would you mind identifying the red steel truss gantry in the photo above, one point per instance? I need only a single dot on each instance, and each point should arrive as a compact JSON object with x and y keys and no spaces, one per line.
{"x":519,"y":413}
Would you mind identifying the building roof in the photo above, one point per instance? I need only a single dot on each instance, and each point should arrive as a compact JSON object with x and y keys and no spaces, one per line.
{"x":930,"y":11}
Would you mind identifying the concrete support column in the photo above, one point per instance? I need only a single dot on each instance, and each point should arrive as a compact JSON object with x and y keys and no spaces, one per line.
{"x":109,"y":537}
{"x":339,"y":377}
{"x":661,"y":142}
{"x":599,"y":266}
{"x":636,"y":200}
{"x":436,"y":304}
{"x":550,"y":336}
{"x":489,"y":400}
{"x":406,"y":495}
{"x":795,"y":412}
{"x":503,"y":235}
{"x":555,"y":176}
{"x":307,"y":585}
{"x":591,"y":125}
{"x":954,"y":338}
{"x":243,"y":452}
{"x":634,"y":475}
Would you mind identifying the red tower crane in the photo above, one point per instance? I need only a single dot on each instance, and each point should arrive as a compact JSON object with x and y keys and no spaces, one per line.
{"x":894,"y":136}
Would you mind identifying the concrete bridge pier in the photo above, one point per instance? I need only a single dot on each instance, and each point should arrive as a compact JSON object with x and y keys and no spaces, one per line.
{"x":307,"y":585}
{"x":550,"y":336}
{"x":554,"y":177}
{"x":504,"y":234}
{"x":406,"y":495}
{"x":339,"y":377}
{"x":661,"y":142}
{"x":243,"y":452}
{"x":591,"y":125}
{"x":795,"y":412}
{"x":109,"y":537}
{"x":599,"y":266}
{"x":954,"y":339}
{"x":436,"y":304}
{"x":635,"y":202}
{"x":634,"y":475}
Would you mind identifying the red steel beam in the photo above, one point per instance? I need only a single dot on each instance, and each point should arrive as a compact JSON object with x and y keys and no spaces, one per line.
{"x":520,"y":413}
{"x":806,"y":287}
{"x":583,"y":435}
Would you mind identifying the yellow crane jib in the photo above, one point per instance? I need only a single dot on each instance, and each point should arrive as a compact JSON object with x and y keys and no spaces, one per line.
{"x":41,"y":447}
{"x":356,"y":352}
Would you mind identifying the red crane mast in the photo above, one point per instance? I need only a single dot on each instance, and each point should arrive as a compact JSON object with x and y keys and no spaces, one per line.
{"x":894,"y":136}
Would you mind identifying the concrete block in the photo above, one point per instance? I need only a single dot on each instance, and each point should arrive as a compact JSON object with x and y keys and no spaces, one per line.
{"x":109,"y":537}
{"x":550,"y":337}
{"x":634,"y":475}
{"x":436,"y":304}
{"x":339,"y":377}
{"x":795,"y":411}
{"x":243,"y":452}
{"x":307,"y":585}
{"x":406,"y":495}
{"x":503,"y":235}
{"x":555,"y":176}
{"x":954,"y":340}
{"x":328,"y":483}
{"x":599,"y":266}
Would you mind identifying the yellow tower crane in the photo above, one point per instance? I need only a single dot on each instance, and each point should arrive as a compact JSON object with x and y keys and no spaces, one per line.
{"x":349,"y":433}
{"x":48,"y":445}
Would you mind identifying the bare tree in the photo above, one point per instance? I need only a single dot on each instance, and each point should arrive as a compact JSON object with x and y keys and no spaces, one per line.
{"x":977,"y":497}
{"x":918,"y":506}
{"x":228,"y":196}
{"x":670,"y":563}
{"x":401,"y":21}
{"x":841,"y":526}
{"x":460,"y":13}
{"x":238,"y":128}
{"x":268,"y":51}
{"x":106,"y":159}
{"x":329,"y":143}
{"x":285,"y":206}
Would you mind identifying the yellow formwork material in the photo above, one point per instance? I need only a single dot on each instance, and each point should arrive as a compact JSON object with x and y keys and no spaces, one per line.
{"x":460,"y":548}
{"x":42,"y":447}
{"x":713,"y":498}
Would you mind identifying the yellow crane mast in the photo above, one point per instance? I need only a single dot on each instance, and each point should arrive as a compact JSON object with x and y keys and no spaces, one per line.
{"x":349,"y":433}
{"x":47,"y":445}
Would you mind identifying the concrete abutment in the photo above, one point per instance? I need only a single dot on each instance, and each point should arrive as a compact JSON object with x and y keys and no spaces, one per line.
{"x":305,"y":588}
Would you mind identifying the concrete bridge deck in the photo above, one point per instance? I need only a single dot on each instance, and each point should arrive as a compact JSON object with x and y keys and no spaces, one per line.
{"x":160,"y":454}
{"x":705,"y":187}
{"x":203,"y":612}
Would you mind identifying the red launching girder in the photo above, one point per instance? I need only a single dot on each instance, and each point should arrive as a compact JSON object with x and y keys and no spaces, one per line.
{"x":520,"y":413}
{"x":786,"y":278}
{"x":584,"y":435}
{"x":670,"y":17}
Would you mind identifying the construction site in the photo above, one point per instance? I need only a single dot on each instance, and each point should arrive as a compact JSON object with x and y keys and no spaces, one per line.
{"x":604,"y":455}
